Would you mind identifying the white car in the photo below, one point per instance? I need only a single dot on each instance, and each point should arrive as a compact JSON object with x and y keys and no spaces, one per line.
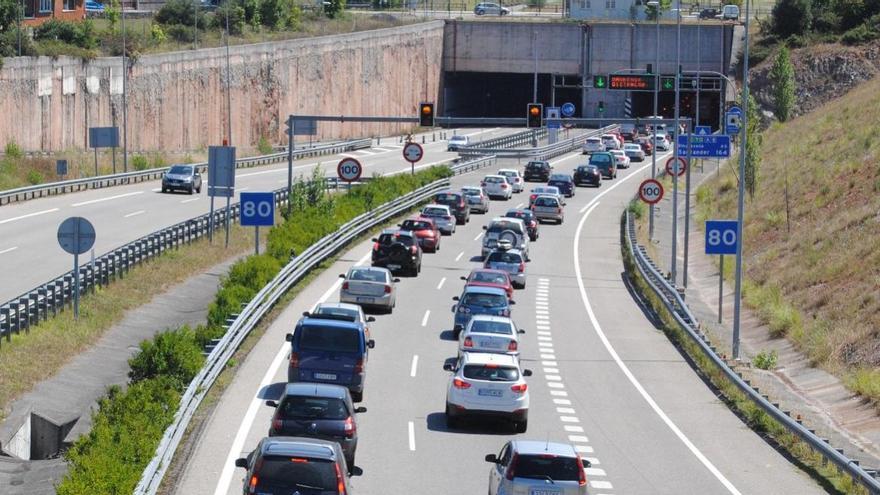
{"x":660,"y":142}
{"x":507,"y":228}
{"x":487,"y":385}
{"x":344,"y":309}
{"x":634,"y":152}
{"x":369,"y":286}
{"x":610,"y":141}
{"x":487,"y":333}
{"x":442,"y":216}
{"x":622,"y":159}
{"x":497,"y":186}
{"x":593,"y":145}
{"x":456,"y":142}
{"x":514,"y":178}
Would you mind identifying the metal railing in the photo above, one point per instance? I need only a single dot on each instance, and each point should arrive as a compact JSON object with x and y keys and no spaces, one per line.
{"x":502,"y":142}
{"x":73,"y":185}
{"x":260,"y":305}
{"x":539,"y":153}
{"x":674,"y":303}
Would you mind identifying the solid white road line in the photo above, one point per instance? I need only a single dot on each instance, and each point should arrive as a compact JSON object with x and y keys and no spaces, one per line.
{"x":134,"y":214}
{"x":459,"y":256}
{"x":189,"y":200}
{"x":9,"y":250}
{"x":157,"y":189}
{"x":84,"y":203}
{"x":248,"y":420}
{"x":480,"y":132}
{"x":412,"y":436}
{"x":620,"y":364}
{"x":425,"y":318}
{"x":520,"y":205}
{"x":442,"y":281}
{"x":28,"y":216}
{"x":415,"y":364}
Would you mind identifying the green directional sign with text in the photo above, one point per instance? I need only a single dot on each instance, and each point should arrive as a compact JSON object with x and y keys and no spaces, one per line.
{"x":600,"y":82}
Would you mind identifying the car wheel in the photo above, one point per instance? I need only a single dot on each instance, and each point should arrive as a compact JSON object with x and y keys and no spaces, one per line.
{"x":191,"y":190}
{"x":521,"y":426}
{"x":560,"y":221}
{"x":199,"y":189}
{"x":357,"y":397}
{"x":164,"y":190}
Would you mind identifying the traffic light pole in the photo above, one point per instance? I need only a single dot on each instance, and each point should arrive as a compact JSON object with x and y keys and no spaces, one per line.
{"x":289,"y":165}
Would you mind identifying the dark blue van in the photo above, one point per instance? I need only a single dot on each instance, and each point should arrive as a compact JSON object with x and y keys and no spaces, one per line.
{"x":329,"y":349}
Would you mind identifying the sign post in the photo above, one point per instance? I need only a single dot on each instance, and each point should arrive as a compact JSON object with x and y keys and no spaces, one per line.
{"x":76,"y":235}
{"x":721,"y":239}
{"x":104,"y":137}
{"x":221,"y":181}
{"x":413,"y":152}
{"x":257,"y":209}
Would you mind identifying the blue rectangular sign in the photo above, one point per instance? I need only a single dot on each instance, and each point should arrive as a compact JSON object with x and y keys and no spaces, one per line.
{"x":714,"y":146}
{"x":554,"y":124}
{"x":721,"y":236}
{"x":257,"y":209}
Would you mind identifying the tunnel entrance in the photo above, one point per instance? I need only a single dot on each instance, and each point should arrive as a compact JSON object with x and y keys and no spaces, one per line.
{"x":493,"y":94}
{"x":643,"y":105}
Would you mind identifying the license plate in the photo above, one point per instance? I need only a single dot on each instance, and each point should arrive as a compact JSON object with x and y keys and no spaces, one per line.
{"x":325,"y":376}
{"x":541,"y":491}
{"x":490,"y":344}
{"x":394,"y":267}
{"x":488,"y":392}
{"x":364,"y":299}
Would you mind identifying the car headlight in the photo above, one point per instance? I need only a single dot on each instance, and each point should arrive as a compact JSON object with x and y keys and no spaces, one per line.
{"x":187,"y":179}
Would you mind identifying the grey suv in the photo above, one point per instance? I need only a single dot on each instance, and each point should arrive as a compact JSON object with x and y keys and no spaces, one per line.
{"x":182,"y":178}
{"x":525,"y":466}
{"x":490,"y":8}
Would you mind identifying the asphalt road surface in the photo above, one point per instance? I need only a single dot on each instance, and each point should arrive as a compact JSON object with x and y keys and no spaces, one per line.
{"x":605,"y":379}
{"x":29,"y":251}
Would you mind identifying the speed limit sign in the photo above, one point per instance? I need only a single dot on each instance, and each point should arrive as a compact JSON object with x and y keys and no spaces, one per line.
{"x":413,"y":152}
{"x":651,"y":191}
{"x":349,"y":169}
{"x":671,"y":169}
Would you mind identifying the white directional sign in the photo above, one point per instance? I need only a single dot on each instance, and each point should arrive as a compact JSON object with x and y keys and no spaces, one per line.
{"x":651,"y":191}
{"x":413,"y":152}
{"x":349,"y":169}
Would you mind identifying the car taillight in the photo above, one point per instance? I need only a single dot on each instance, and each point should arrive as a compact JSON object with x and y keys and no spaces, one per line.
{"x":350,"y":428}
{"x":344,"y":285}
{"x":503,"y":186}
{"x":468,"y":342}
{"x":505,"y":312}
{"x":482,"y":184}
{"x":532,"y":197}
{"x":512,"y":346}
{"x":511,"y":469}
{"x":359,"y":366}
{"x":412,"y":249}
{"x":460,"y":384}
{"x":522,"y":266}
{"x":448,"y":218}
{"x":559,"y":210}
{"x":276,"y":425}
{"x":340,"y":481}
{"x":532,"y":224}
{"x":582,"y":476}
{"x":388,"y":289}
{"x":520,"y":388}
{"x":294,"y":360}
{"x":252,"y":485}
{"x":375,"y":246}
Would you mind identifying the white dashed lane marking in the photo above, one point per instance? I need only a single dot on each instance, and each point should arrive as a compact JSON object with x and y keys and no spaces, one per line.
{"x":442,"y":281}
{"x":412,"y":436}
{"x":425,"y":318}
{"x":459,"y":256}
{"x":28,"y":215}
{"x":134,"y":214}
{"x":415,"y":365}
{"x":8,"y":250}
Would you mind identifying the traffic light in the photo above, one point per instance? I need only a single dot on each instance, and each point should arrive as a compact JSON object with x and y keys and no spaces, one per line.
{"x":426,"y":114}
{"x":601,"y":107}
{"x":535,"y":115}
{"x":600,"y":82}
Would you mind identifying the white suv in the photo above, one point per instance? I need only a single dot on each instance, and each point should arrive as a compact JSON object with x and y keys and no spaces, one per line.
{"x":488,"y":385}
{"x":514,"y":178}
{"x":593,"y":145}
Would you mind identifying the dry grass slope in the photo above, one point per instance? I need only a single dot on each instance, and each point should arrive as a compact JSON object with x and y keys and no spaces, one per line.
{"x":819,"y":283}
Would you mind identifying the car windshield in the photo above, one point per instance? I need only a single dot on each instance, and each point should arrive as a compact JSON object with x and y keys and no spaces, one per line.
{"x":504,"y":257}
{"x":485,"y":300}
{"x":496,"y":327}
{"x":180,"y":170}
{"x":523,"y":214}
{"x":299,"y":407}
{"x":494,"y":180}
{"x":545,"y":201}
{"x":557,"y":468}
{"x":351,"y":313}
{"x":490,"y":372}
{"x":367,"y":275}
{"x":326,"y":338}
{"x":415,"y":225}
{"x":435,"y":212}
{"x":501,"y":226}
{"x":545,"y":190}
{"x":594,"y":140}
{"x":489,"y":278}
{"x":276,"y":472}
{"x":507,"y":173}
{"x":447,"y":198}
{"x":600,"y":159}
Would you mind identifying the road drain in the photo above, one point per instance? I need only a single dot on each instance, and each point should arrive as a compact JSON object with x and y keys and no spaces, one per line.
{"x":39,"y":438}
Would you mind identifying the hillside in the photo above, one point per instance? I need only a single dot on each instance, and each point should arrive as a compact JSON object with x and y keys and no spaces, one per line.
{"x":819,"y":283}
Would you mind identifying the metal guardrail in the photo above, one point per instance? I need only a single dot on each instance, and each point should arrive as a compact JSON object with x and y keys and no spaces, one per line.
{"x":260,"y":305}
{"x":503,"y":142}
{"x":73,"y":185}
{"x":540,"y":153}
{"x":674,"y":303}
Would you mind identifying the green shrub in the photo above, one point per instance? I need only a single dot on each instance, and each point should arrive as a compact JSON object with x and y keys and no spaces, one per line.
{"x":159,"y":161}
{"x":13,"y":150}
{"x":228,"y":301}
{"x":636,"y":208}
{"x":77,"y":33}
{"x":179,"y":12}
{"x":158,"y":34}
{"x":264,"y":146}
{"x":139,"y":162}
{"x":859,"y":35}
{"x":34,"y":177}
{"x":173,"y":354}
{"x":236,"y":18}
{"x":765,"y":360}
{"x":792,"y":17}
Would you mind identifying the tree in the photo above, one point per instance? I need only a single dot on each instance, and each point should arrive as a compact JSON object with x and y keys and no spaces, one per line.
{"x":9,"y":11}
{"x":334,"y":8}
{"x":782,"y":79}
{"x":792,"y":17}
{"x":651,"y":12}
{"x":753,"y":146}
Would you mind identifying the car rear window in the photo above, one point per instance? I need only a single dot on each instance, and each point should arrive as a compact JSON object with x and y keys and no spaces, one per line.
{"x":447,"y":198}
{"x":485,"y":300}
{"x":501,"y":226}
{"x":505,"y":257}
{"x":600,"y":159}
{"x":290,"y":472}
{"x":387,"y":239}
{"x":300,"y":407}
{"x":535,"y":165}
{"x":351,"y":313}
{"x":491,"y":373}
{"x":435,"y":212}
{"x":367,"y":275}
{"x":557,"y":468}
{"x":496,"y":327}
{"x":489,"y":278}
{"x":494,"y":179}
{"x":545,"y":201}
{"x":330,"y":339}
{"x":508,"y":173}
{"x":559,"y":178}
{"x":415,"y":225}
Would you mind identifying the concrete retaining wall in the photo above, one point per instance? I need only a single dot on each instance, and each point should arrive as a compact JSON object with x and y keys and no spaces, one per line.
{"x":177,"y":101}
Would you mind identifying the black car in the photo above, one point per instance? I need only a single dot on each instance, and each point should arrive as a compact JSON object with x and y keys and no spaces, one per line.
{"x":457,"y":204}
{"x":606,"y":163}
{"x":398,"y":251}
{"x":537,"y":171}
{"x":587,"y":175}
{"x":528,"y":218}
{"x":317,"y":410}
{"x":182,"y":178}
{"x":709,"y":13}
{"x":286,"y":465}
{"x":564,"y":182}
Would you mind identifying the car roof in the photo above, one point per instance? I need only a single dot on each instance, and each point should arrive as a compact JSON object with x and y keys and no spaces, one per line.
{"x":299,"y":446}
{"x":340,"y":305}
{"x":448,"y":191}
{"x":490,"y":358}
{"x":511,"y":250}
{"x":435,"y":205}
{"x":488,"y":270}
{"x":328,"y":323}
{"x":370,"y":268}
{"x":305,"y":389}
{"x":476,"y":289}
{"x":507,"y":219}
{"x":538,"y":447}
{"x":524,"y":211}
{"x":500,"y":319}
{"x":507,"y":170}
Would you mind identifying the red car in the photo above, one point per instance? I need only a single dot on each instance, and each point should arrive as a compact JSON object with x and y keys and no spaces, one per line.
{"x":484,"y":277}
{"x":646,"y":145}
{"x":426,"y":232}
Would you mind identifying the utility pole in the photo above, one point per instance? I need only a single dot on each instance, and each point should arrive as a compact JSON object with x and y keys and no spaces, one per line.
{"x":124,"y":94}
{"x":677,"y":164}
{"x":656,"y":5}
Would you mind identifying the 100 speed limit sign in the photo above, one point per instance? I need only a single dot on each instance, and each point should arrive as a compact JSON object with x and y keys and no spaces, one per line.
{"x":651,"y":191}
{"x":349,"y":169}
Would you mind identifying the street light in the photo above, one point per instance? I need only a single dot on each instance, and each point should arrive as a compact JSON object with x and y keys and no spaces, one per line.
{"x":656,"y":5}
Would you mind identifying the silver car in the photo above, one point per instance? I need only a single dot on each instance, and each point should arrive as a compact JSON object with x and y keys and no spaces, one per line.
{"x":483,"y":8}
{"x":497,"y":186}
{"x":524,"y":466}
{"x":369,"y":286}
{"x":548,"y":208}
{"x":476,"y":198}
{"x":442,"y":216}
{"x":487,"y":333}
{"x":634,"y":152}
{"x":512,"y":261}
{"x":510,"y":229}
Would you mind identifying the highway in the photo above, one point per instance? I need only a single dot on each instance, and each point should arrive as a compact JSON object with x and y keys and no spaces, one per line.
{"x":29,"y":251}
{"x":605,"y":379}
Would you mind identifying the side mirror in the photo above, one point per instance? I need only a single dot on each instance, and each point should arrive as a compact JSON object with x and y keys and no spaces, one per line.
{"x":527,"y":372}
{"x":271,"y":403}
{"x":396,"y":280}
{"x":512,"y":302}
{"x":359,"y":410}
{"x":371,"y":343}
{"x":448,"y":367}
{"x":356,"y":471}
{"x":586,"y":463}
{"x":455,"y":298}
{"x":241,"y":462}
{"x":399,"y":225}
{"x":341,"y":275}
{"x":370,"y":319}
{"x":521,"y":331}
{"x":485,"y":227}
{"x":374,"y":239}
{"x":464,"y":278}
{"x":306,"y":314}
{"x":492,"y":458}
{"x":289,"y":337}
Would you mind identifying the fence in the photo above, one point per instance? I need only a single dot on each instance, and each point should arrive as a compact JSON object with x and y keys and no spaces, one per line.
{"x":675,"y":305}
{"x":56,"y":188}
{"x":541,"y":153}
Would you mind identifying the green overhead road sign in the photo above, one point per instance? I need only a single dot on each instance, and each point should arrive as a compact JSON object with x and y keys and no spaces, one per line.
{"x":600,"y":82}
{"x":667,"y":83}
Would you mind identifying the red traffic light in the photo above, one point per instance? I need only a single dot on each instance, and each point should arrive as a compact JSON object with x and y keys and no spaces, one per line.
{"x":535,"y":111}
{"x":427,"y":109}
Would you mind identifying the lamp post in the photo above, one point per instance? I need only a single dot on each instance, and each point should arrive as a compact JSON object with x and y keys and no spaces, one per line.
{"x":124,"y":93}
{"x":742,"y":191}
{"x":674,"y":263}
{"x":656,"y":5}
{"x":228,"y":84}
